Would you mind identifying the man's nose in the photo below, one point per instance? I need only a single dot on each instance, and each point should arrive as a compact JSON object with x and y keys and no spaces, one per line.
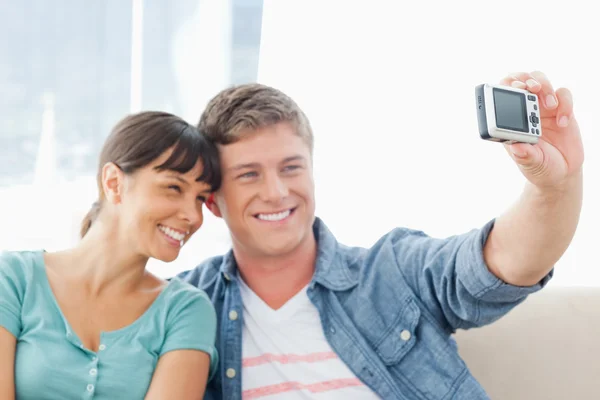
{"x":274,"y":189}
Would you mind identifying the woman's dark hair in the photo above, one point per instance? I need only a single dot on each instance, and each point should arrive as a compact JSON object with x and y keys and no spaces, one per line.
{"x":139,"y":139}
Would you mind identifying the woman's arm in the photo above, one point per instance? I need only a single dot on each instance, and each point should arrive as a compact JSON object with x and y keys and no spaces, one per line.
{"x":188,"y":356}
{"x":180,"y":374}
{"x":13,"y":281}
{"x":8,"y":345}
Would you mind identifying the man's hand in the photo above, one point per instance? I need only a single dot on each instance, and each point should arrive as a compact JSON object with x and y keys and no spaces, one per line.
{"x":530,"y":237}
{"x":558,"y":155}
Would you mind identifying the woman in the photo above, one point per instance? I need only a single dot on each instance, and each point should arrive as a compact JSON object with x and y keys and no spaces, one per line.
{"x":91,"y":321}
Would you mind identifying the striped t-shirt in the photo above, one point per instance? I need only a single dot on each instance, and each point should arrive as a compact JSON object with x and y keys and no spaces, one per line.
{"x":286,"y":355}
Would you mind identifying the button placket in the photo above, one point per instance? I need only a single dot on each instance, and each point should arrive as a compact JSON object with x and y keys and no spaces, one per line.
{"x":92,"y":376}
{"x":73,"y":339}
{"x":92,"y":367}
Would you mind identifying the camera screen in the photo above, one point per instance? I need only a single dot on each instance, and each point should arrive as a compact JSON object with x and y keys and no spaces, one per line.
{"x":511,"y":111}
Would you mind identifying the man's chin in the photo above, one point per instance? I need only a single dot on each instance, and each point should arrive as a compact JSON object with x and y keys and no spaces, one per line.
{"x":280,"y":249}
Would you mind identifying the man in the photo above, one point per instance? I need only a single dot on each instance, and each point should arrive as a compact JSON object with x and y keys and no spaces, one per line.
{"x":302,"y":316}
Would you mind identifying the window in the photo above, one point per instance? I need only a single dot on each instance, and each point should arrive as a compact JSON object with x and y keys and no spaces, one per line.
{"x":71,"y":70}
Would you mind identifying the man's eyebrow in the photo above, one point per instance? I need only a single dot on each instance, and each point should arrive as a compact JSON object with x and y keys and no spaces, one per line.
{"x":293,"y":158}
{"x":255,"y":165}
{"x":243,"y":166}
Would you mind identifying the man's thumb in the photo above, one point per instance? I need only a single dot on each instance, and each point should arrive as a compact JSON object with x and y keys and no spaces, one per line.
{"x":526,"y":155}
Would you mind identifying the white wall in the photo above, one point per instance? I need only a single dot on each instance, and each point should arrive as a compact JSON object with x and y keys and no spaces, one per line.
{"x":389,"y":88}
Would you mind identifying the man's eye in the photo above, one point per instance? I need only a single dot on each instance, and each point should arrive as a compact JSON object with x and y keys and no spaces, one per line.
{"x":248,"y":175}
{"x":290,"y":168}
{"x":175,"y":188}
{"x":201,"y":198}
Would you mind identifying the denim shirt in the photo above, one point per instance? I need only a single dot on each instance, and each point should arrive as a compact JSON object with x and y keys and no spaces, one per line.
{"x":389,"y":311}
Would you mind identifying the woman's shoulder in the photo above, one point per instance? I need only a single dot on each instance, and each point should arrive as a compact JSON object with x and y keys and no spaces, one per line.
{"x":17,"y":270}
{"x":180,"y":296}
{"x":19,"y":265}
{"x":180,"y":292}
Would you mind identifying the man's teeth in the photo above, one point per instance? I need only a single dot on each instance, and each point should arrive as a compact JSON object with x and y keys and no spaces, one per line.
{"x":172,"y":233}
{"x":275,"y":217}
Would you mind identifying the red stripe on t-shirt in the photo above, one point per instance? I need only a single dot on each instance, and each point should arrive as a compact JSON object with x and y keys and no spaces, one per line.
{"x":287,"y":358}
{"x":318,"y":387}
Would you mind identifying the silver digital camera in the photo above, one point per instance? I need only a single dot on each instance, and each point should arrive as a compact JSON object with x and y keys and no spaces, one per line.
{"x":507,"y":114}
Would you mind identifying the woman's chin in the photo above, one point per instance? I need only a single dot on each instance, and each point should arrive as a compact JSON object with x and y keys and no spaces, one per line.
{"x":166,"y":257}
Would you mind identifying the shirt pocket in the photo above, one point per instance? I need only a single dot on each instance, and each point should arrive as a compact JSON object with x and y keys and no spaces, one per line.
{"x":419,"y":356}
{"x":399,"y":338}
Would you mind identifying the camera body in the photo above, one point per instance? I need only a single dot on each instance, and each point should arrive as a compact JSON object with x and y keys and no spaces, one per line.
{"x":507,"y":114}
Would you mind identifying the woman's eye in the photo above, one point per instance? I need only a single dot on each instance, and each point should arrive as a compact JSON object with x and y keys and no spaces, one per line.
{"x":175,"y":188}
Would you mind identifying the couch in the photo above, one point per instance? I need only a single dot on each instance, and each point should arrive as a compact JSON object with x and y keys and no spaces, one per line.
{"x":547,"y":348}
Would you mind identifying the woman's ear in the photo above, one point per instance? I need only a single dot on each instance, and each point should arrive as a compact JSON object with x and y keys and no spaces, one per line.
{"x":112,"y":182}
{"x":211,"y":204}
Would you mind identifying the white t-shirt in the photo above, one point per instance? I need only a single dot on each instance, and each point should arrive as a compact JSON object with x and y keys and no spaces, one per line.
{"x":286,"y":355}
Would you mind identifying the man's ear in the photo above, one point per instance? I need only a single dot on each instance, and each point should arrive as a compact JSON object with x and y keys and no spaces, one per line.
{"x":211,"y":204}
{"x":112,"y":182}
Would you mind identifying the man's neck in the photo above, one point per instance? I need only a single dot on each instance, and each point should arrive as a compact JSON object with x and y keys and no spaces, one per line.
{"x":277,"y":279}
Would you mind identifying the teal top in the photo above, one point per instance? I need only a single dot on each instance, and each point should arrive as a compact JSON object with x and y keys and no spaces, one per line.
{"x":52,"y":363}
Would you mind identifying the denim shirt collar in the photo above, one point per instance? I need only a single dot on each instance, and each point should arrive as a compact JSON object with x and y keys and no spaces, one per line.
{"x":330,"y":270}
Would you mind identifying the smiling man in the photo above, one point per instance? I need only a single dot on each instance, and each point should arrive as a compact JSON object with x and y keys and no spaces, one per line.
{"x":302,"y":316}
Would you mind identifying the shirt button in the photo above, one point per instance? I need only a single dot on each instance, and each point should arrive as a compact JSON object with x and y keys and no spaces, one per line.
{"x":90,"y":388}
{"x":93,"y":371}
{"x":233,"y":315}
{"x":405,"y":335}
{"x":230,"y":373}
{"x":102,"y":347}
{"x":226,"y":276}
{"x":94,"y":358}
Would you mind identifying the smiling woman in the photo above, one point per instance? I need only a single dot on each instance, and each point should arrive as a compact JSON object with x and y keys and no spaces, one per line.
{"x":117,"y":330}
{"x":138,"y":140}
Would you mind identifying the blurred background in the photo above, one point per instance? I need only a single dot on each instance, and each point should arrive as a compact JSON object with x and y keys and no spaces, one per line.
{"x":387,"y":85}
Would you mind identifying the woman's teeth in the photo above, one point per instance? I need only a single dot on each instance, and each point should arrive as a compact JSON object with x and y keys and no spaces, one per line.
{"x":172,"y":233}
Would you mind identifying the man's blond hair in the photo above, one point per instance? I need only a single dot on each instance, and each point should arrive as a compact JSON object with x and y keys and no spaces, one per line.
{"x":242,"y":109}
